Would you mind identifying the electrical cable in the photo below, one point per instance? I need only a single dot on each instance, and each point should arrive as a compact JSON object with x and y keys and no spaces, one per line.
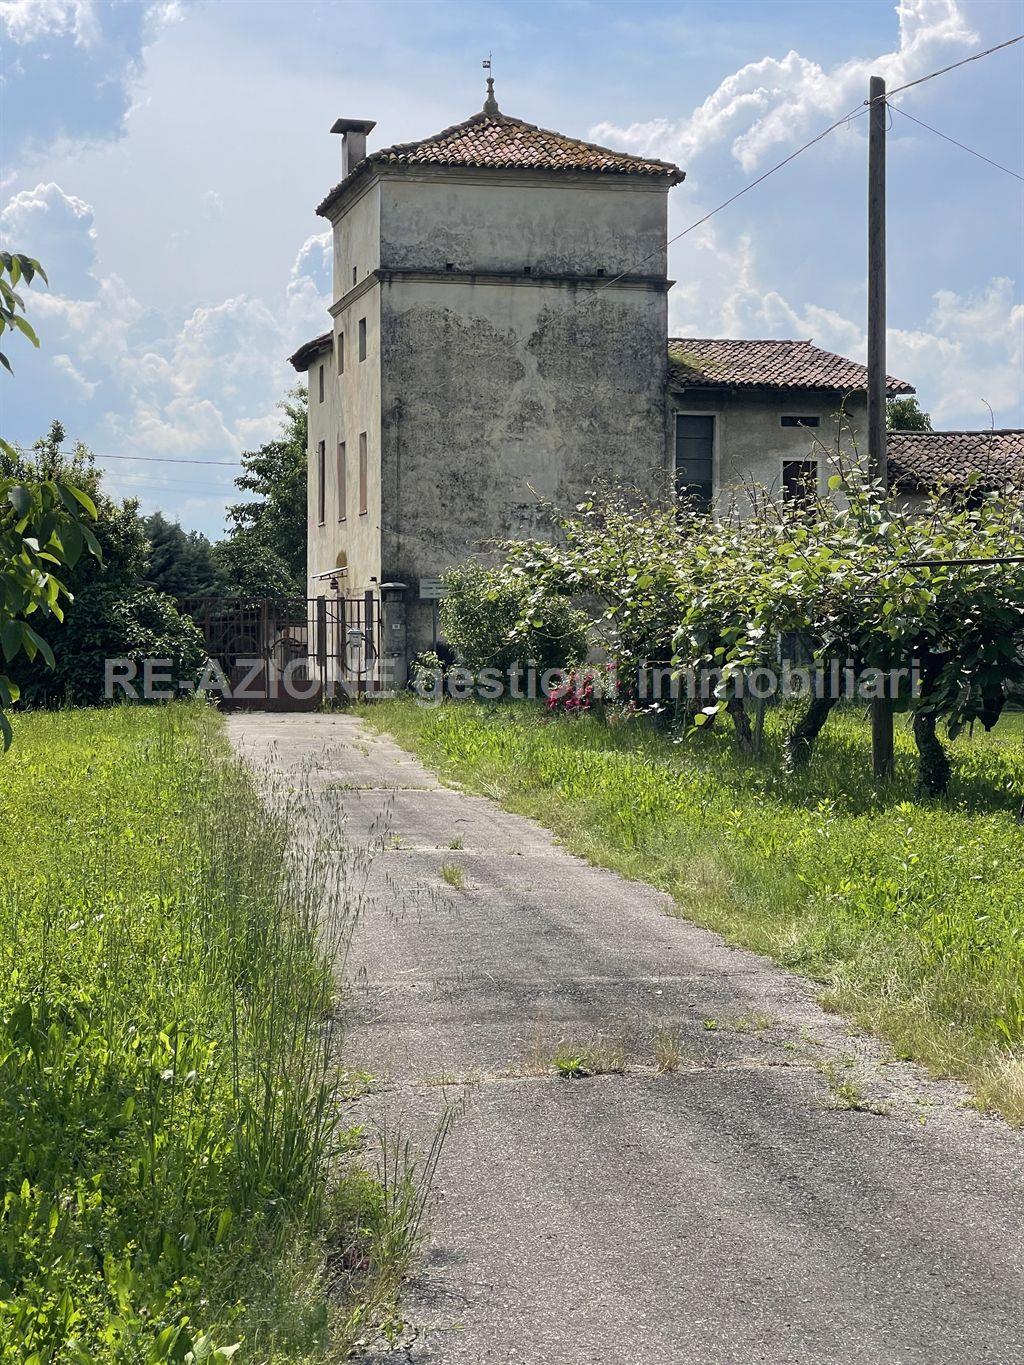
{"x":932,"y":74}
{"x":144,"y":459}
{"x":847,"y":118}
{"x":962,"y":145}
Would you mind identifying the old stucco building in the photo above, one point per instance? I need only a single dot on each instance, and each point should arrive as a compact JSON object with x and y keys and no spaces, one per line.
{"x":499,"y":338}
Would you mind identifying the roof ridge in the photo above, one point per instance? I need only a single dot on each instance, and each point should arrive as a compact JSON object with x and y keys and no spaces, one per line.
{"x":957,"y":431}
{"x":481,"y":116}
{"x":752,"y":341}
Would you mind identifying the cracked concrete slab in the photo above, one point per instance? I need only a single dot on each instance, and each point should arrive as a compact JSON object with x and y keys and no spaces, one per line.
{"x":727,"y":1211}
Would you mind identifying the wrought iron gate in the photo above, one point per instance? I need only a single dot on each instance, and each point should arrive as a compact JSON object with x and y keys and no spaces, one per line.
{"x":288,"y":653}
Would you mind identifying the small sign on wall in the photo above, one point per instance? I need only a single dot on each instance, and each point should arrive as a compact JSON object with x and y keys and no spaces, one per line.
{"x":431,"y":589}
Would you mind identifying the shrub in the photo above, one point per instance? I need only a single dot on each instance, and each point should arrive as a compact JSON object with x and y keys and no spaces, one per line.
{"x":135,"y":624}
{"x":492,"y":620}
{"x":851,"y":574}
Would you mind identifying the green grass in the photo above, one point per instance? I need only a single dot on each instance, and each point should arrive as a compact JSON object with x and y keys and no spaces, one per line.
{"x":455,"y":875}
{"x":910,"y":913}
{"x":175,"y":1176}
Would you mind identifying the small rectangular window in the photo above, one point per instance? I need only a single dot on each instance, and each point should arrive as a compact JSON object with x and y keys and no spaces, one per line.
{"x":362,"y":338}
{"x":342,"y":490}
{"x":799,"y":480}
{"x":362,"y":473}
{"x":321,"y":480}
{"x":321,"y":374}
{"x":353,"y":274}
{"x":695,"y":459}
{"x":795,"y":421}
{"x":341,"y":352}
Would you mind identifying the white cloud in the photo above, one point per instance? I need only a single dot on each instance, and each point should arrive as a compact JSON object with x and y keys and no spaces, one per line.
{"x":969,"y":352}
{"x":969,"y":358}
{"x":66,"y":366}
{"x":777,"y":102}
{"x":205,"y":382}
{"x":26,"y":21}
{"x":57,"y":229}
{"x":310,"y":283}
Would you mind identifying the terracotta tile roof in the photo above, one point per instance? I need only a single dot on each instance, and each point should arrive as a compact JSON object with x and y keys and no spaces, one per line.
{"x":309,"y":350}
{"x":696,"y":362}
{"x":499,"y":142}
{"x":925,"y":459}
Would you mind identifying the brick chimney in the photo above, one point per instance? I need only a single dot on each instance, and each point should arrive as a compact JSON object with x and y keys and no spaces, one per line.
{"x":353,"y":141}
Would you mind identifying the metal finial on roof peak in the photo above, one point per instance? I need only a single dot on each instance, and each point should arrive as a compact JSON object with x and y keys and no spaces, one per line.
{"x":490,"y":103}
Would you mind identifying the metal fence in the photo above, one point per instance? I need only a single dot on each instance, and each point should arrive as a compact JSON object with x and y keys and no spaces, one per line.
{"x":289,"y":653}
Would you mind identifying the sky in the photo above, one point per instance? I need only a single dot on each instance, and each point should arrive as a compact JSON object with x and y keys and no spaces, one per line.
{"x":163,"y":160}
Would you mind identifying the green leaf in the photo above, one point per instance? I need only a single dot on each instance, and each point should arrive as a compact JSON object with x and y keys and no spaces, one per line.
{"x":11,"y":638}
{"x":23,"y":325}
{"x":42,"y":646}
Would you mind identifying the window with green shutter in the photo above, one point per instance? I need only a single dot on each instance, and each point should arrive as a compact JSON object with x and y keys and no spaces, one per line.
{"x":695,"y":458}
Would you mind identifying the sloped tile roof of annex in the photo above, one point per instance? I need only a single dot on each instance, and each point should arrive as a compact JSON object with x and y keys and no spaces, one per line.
{"x":309,"y":350}
{"x":720,"y":362}
{"x":951,"y":459}
{"x":500,"y":142}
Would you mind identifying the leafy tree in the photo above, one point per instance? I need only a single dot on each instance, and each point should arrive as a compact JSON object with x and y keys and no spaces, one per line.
{"x":249,"y":567}
{"x":120,"y":532}
{"x":181,"y":563}
{"x":41,"y":524}
{"x":271,"y":530}
{"x":904,"y":414}
{"x":110,"y":611}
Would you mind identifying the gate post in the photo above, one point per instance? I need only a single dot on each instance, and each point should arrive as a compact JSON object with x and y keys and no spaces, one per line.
{"x":394,"y":664}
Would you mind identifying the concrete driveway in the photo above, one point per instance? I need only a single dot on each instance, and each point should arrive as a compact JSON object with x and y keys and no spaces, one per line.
{"x":729,"y":1210}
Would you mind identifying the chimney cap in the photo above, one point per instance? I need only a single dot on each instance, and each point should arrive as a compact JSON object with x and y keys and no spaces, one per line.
{"x":353,"y":125}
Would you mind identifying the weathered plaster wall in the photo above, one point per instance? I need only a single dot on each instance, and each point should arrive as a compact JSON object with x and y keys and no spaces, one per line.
{"x":751,"y":442}
{"x":324,"y":422}
{"x":352,"y":406}
{"x":554,"y":224}
{"x":497,"y":396}
{"x":357,"y":239}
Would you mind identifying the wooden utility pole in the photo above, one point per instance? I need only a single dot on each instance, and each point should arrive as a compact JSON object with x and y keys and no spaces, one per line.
{"x":876,"y":281}
{"x":882,"y":756}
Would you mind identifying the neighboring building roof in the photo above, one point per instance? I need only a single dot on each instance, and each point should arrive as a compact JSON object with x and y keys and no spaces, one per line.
{"x":308,"y":352}
{"x":927,"y":459}
{"x":497,"y":141}
{"x":721,"y":363}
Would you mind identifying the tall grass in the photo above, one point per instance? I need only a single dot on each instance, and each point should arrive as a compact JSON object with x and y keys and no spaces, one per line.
{"x":910,"y":913}
{"x":169,"y":1070}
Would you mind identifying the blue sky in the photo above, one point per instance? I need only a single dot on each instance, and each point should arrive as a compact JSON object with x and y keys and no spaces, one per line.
{"x":164,"y":159}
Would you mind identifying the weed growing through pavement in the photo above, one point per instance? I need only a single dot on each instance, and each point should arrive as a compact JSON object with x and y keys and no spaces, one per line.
{"x":669,"y":1053}
{"x":455,"y":875}
{"x":602,"y":1057}
{"x":845,"y":1091}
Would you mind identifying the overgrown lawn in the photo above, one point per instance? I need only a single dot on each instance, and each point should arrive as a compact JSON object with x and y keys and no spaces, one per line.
{"x":910,"y":913}
{"x":170,"y":1145}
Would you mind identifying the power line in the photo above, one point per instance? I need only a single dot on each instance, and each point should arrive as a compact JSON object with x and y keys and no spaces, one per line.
{"x":975,"y":58}
{"x":847,"y":118}
{"x":144,"y":459}
{"x":962,"y":145}
{"x":854,"y":113}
